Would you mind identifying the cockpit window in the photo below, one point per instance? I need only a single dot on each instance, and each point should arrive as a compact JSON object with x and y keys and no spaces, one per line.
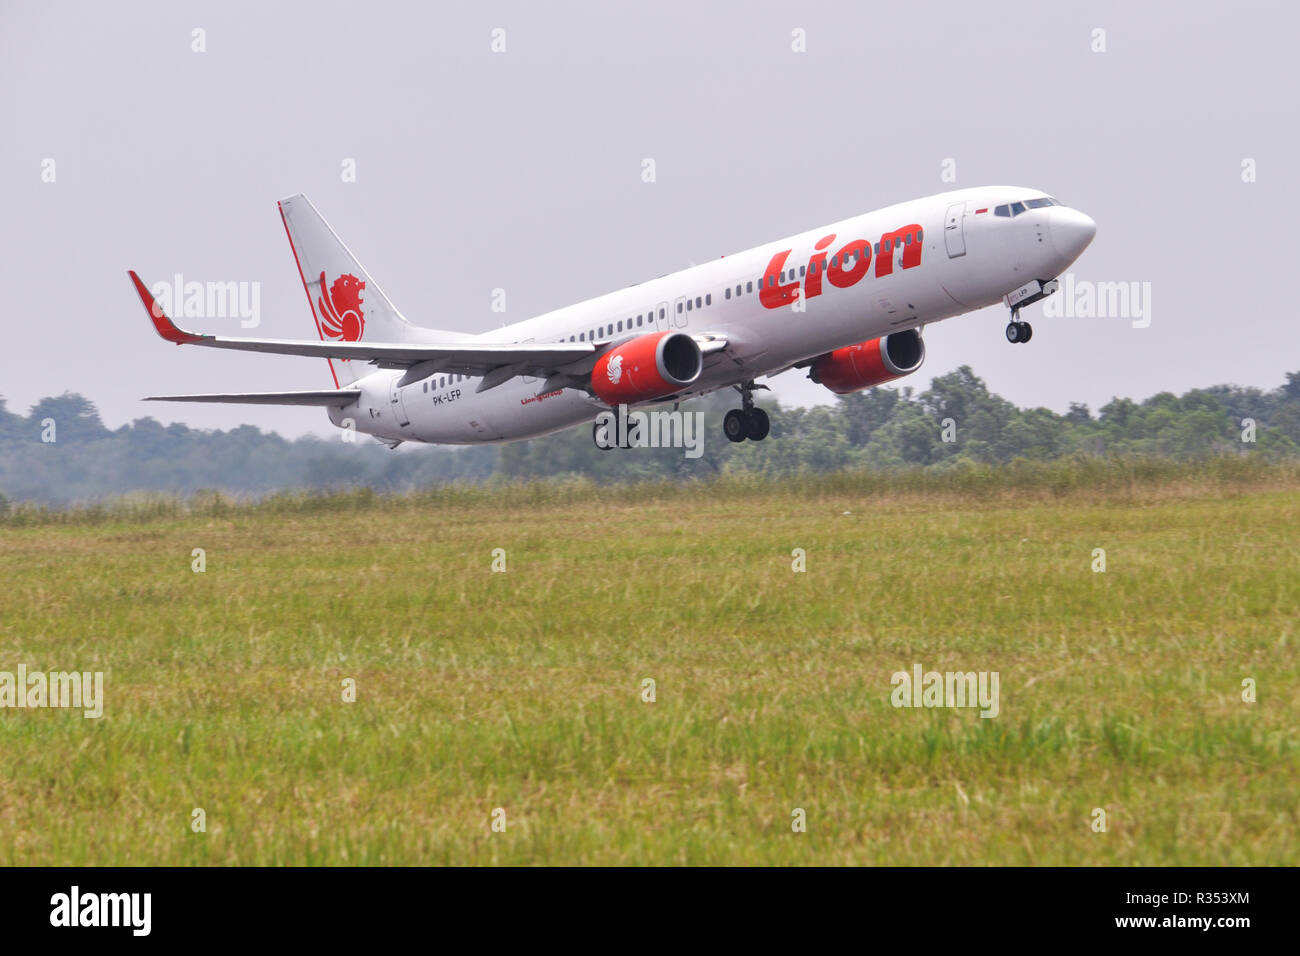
{"x":1016,"y":208}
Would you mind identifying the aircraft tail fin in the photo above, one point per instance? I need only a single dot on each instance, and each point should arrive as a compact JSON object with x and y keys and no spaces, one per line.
{"x":346,"y":303}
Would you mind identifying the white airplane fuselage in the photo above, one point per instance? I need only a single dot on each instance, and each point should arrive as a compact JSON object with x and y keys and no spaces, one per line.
{"x":967,"y":258}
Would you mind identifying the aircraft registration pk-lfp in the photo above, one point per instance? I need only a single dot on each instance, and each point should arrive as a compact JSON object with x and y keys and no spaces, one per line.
{"x":845,"y":301}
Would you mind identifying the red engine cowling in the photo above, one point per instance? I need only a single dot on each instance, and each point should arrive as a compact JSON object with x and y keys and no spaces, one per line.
{"x":860,"y":366}
{"x":649,"y":366}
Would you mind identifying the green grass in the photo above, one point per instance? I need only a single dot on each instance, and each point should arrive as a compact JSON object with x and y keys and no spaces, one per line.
{"x":521,"y":690}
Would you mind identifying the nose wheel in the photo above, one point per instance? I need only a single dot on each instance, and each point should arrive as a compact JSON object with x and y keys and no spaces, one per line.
{"x":1018,"y":332}
{"x":748,"y":421}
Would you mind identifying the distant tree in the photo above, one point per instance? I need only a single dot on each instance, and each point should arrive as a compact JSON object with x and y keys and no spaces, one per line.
{"x":866,"y":411}
{"x":1078,"y":414}
{"x":75,"y":418}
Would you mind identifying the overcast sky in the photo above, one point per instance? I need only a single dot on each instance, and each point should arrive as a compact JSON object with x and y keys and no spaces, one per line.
{"x":522,"y":170}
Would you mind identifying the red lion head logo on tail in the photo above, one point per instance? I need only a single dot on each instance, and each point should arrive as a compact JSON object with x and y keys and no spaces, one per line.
{"x":341,"y":315}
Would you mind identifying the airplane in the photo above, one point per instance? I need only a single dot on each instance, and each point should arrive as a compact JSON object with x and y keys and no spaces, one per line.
{"x":847,"y":302}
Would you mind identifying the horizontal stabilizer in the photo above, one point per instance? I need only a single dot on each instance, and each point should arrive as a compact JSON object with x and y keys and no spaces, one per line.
{"x":324,"y":399}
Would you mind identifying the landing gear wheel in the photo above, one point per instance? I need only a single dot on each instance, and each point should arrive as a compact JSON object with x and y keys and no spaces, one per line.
{"x":757,"y":424}
{"x":734,"y":425}
{"x":1018,"y":332}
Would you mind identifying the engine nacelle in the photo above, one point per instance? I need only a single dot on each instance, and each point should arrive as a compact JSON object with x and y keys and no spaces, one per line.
{"x":648,"y":367}
{"x":860,"y":366}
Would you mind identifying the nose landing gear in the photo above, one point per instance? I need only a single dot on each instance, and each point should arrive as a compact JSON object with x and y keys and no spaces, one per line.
{"x":748,"y":421}
{"x":1018,"y":332}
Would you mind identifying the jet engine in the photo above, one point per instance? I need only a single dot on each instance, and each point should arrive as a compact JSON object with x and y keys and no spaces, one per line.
{"x":860,"y":366}
{"x":647,"y":367}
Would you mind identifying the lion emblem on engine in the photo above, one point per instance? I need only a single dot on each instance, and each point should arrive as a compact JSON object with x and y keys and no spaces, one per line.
{"x":340,"y":308}
{"x":615,"y":369}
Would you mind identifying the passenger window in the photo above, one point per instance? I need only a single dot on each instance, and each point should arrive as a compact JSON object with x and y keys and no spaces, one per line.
{"x":708,"y":299}
{"x":688,"y":305}
{"x":679,"y":308}
{"x":697,"y":302}
{"x":727,"y":294}
{"x":620,"y":325}
{"x":749,"y":287}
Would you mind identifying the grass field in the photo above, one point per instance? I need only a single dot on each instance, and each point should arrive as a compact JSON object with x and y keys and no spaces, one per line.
{"x":522,"y":690}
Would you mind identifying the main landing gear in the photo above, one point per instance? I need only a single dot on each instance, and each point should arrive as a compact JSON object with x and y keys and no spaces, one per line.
{"x":1018,"y":332}
{"x":748,"y":421}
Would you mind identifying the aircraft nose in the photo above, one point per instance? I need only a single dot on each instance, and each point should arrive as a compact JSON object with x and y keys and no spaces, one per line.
{"x":1071,"y":231}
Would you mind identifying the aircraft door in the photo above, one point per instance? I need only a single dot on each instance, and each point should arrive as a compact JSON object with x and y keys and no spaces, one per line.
{"x":954,"y":230}
{"x":397,"y":404}
{"x":661,"y":317}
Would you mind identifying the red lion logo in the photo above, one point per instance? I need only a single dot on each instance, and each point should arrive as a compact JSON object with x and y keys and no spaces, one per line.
{"x":341,"y":315}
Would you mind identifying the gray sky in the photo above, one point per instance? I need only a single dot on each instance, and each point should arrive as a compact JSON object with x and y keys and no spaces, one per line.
{"x":522,"y":170}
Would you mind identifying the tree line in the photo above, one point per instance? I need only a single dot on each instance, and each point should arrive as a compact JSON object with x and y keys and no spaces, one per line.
{"x":954,"y":422}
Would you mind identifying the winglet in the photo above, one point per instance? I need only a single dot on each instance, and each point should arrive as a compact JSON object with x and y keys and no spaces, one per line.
{"x":161,"y":323}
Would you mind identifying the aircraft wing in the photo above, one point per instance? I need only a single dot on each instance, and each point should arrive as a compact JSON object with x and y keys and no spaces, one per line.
{"x":324,"y":399}
{"x":467,"y":358}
